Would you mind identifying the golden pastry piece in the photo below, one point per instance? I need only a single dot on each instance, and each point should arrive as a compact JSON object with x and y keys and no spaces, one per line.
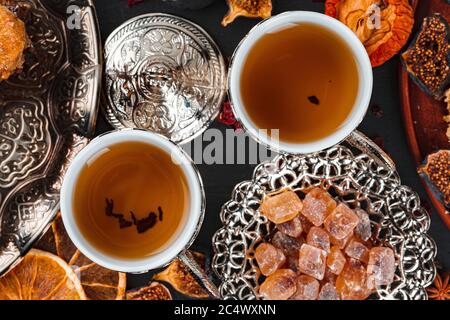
{"x":154,"y":291}
{"x":383,"y":26}
{"x":41,"y":276}
{"x":98,"y":283}
{"x":247,"y":8}
{"x":13,"y":41}
{"x":178,"y":276}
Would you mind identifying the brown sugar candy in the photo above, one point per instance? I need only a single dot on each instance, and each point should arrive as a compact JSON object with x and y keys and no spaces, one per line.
{"x":269,"y":258}
{"x":281,"y":285}
{"x":352,"y":282}
{"x":312,"y":261}
{"x":307,"y":288}
{"x":281,"y":207}
{"x":318,"y":204}
{"x":357,"y":250}
{"x":336,"y":260}
{"x":293,"y":228}
{"x":341,"y":222}
{"x":381,"y":268}
{"x":341,"y":243}
{"x":318,"y":238}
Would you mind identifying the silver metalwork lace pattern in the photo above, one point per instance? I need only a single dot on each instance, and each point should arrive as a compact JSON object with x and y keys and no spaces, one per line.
{"x":356,"y":172}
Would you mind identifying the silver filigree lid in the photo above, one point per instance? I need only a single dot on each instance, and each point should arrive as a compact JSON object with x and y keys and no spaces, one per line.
{"x":163,"y":74}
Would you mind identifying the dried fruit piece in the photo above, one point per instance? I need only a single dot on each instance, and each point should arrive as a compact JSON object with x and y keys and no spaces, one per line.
{"x":292,"y":228}
{"x":281,"y":207}
{"x":318,"y":238}
{"x":247,"y":8}
{"x":336,"y":260}
{"x":351,"y":284}
{"x":98,"y":283}
{"x":381,"y":268}
{"x":437,"y":171}
{"x":307,"y":288}
{"x":154,"y":291}
{"x":41,"y":276}
{"x":427,"y":60}
{"x":269,"y":258}
{"x":364,"y":229}
{"x":328,"y":292}
{"x":312,"y":261}
{"x":318,"y":204}
{"x":281,"y":285}
{"x":341,"y":222}
{"x":179,"y":277}
{"x":382,"y":26}
{"x":357,"y":250}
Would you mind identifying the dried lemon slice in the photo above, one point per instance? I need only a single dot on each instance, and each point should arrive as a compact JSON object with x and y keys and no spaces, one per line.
{"x":98,"y":283}
{"x":41,"y":276}
{"x":247,"y":8}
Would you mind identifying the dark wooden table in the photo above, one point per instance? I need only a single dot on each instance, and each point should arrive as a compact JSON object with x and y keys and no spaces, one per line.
{"x":383,"y":123}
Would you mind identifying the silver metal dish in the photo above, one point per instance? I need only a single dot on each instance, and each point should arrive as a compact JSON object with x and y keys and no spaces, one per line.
{"x":164,"y":74}
{"x":360,"y":174}
{"x":47,"y":113}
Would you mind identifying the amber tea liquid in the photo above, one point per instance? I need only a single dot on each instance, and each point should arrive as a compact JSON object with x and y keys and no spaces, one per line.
{"x":130,"y":200}
{"x":302,"y":80}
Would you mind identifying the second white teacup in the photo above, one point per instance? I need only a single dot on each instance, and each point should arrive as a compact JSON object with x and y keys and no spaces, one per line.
{"x":280,"y":22}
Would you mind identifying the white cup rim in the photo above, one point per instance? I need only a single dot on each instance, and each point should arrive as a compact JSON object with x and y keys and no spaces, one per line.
{"x":362,"y":60}
{"x":186,"y":235}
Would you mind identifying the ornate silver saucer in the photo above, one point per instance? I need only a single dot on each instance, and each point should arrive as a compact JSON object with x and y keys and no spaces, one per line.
{"x":360,"y":174}
{"x":163,"y":74}
{"x":47,"y":113}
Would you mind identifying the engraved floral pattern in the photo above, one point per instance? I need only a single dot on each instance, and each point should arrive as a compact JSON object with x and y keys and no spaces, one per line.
{"x":165,"y":67}
{"x":46,"y":112}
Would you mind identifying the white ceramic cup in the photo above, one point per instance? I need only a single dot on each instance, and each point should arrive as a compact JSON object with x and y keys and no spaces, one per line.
{"x":184,"y":236}
{"x":277,"y":23}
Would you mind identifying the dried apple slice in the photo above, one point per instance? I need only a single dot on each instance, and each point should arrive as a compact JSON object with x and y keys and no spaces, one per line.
{"x":383,"y":26}
{"x":247,"y":8}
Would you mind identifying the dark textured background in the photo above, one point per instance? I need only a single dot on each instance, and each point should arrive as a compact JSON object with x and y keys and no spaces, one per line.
{"x":385,"y":125}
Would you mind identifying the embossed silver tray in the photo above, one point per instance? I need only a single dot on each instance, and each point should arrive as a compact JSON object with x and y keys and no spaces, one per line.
{"x":164,"y":74}
{"x":47,"y":113}
{"x":360,"y":174}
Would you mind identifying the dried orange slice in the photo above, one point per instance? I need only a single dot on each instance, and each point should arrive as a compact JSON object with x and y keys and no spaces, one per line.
{"x":155,"y":291}
{"x":98,"y":283}
{"x":383,"y":26}
{"x":41,"y":276}
{"x":178,"y":276}
{"x":247,"y":8}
